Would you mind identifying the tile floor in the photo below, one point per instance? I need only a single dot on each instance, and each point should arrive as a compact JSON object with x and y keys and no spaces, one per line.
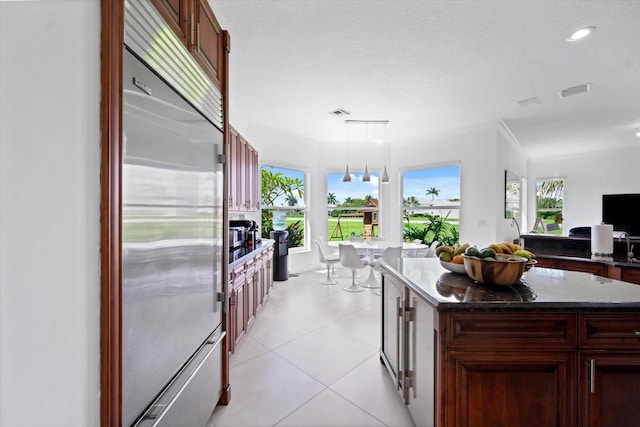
{"x":311,"y":358}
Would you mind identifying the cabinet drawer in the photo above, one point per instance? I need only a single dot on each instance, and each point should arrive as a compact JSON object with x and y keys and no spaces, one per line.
{"x":509,"y":330}
{"x":608,"y":331}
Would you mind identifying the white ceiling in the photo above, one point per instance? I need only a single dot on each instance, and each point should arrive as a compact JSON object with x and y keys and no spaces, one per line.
{"x":432,"y":67}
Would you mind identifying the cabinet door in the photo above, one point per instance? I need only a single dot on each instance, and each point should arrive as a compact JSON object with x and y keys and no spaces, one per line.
{"x":610,"y":392}
{"x":586,"y":267}
{"x":254,"y":180}
{"x":510,"y":388}
{"x":631,"y":275}
{"x":235,"y":195}
{"x":177,"y":15}
{"x":421,"y":361}
{"x":207,"y":44}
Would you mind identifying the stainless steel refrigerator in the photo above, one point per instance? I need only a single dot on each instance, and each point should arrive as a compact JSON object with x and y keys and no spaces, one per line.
{"x":172,"y":213}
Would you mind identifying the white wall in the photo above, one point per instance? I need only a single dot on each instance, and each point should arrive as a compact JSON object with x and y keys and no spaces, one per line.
{"x":49,"y":221}
{"x":483,"y":153}
{"x":587,"y":178}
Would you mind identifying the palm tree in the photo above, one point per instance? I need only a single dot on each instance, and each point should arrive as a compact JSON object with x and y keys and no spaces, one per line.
{"x":332,"y":200}
{"x":348,"y":200}
{"x":412,"y":201}
{"x":291,"y":200}
{"x":367,"y":198}
{"x":432,"y":191}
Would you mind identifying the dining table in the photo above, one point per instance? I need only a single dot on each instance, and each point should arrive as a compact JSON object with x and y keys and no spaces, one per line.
{"x":375,"y":248}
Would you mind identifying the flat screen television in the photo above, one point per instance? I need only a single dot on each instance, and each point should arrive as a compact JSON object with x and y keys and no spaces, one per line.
{"x":620,"y":210}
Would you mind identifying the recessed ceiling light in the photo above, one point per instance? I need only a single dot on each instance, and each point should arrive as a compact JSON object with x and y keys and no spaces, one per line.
{"x":580,"y":34}
{"x":637,"y":132}
{"x":339,"y":112}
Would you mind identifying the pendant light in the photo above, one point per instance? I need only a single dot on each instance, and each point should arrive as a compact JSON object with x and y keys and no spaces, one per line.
{"x":385,"y":175}
{"x":366,"y":177}
{"x":347,"y":176}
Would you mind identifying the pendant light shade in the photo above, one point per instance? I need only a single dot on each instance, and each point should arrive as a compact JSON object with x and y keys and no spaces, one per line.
{"x":385,"y":176}
{"x":366,"y":177}
{"x":347,"y":176}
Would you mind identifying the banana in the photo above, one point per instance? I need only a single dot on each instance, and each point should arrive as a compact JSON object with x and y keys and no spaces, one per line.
{"x":497,"y":247}
{"x":460,"y":249}
{"x":525,"y":254}
{"x":511,"y":246}
{"x":506,"y":249}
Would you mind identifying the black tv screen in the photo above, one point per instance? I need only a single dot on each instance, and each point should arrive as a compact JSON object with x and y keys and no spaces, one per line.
{"x":620,"y":210}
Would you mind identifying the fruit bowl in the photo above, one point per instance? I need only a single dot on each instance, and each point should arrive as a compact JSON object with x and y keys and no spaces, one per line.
{"x":453,"y":267}
{"x":504,"y":271}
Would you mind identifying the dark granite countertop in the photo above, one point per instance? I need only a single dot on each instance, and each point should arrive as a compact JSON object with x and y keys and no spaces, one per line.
{"x":540,"y":289}
{"x":237,"y":256}
{"x":577,"y":249}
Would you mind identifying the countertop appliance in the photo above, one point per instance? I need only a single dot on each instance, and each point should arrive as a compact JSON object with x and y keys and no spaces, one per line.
{"x":172,"y":252}
{"x":236,"y":237}
{"x":250,"y":229}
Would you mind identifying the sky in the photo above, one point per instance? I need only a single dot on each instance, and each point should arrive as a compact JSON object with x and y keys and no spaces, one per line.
{"x":444,"y":179}
{"x":415,"y":183}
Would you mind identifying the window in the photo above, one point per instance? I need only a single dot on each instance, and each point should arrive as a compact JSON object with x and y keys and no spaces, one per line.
{"x":353,"y":209}
{"x":431,"y":204}
{"x":283,"y":190}
{"x":549,"y":204}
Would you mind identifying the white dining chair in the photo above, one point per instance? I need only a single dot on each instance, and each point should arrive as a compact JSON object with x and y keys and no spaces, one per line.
{"x":350,"y":259}
{"x":431,"y":252}
{"x":329,"y":260}
{"x":329,"y":250}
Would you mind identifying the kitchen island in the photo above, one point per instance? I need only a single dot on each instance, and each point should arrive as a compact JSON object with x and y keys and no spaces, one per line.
{"x":560,"y":348}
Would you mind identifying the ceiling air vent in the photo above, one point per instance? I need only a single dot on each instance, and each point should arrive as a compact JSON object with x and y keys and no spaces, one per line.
{"x":529,"y":102}
{"x":576,"y":90}
{"x":339,"y":112}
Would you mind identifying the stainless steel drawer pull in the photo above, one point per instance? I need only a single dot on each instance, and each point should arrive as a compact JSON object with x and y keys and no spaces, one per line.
{"x":636,"y":332}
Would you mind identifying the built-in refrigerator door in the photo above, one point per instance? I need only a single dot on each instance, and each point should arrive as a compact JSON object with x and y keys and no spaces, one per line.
{"x":171,"y":235}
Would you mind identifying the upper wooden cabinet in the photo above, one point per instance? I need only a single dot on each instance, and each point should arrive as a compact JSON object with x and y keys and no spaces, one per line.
{"x":244,"y":173}
{"x":196,"y":26}
{"x":206,"y":45}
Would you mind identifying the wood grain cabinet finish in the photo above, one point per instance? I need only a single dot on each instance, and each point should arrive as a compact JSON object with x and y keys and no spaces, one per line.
{"x":244,"y":175}
{"x":196,"y":26}
{"x":609,"y":392}
{"x":510,"y":388}
{"x":206,"y":43}
{"x":631,"y":275}
{"x":509,"y":369}
{"x":249,"y":285}
{"x":177,"y":14}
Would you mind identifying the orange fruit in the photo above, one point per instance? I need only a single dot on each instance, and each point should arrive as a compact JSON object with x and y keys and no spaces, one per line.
{"x":458,"y":259}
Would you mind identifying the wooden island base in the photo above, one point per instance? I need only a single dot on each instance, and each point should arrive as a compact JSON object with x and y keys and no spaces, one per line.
{"x":559,"y":349}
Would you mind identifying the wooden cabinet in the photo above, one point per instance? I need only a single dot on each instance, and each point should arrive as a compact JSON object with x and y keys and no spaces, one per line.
{"x":509,"y":369}
{"x":207,"y":40}
{"x":237,"y":305}
{"x":609,"y":369}
{"x":598,"y":269}
{"x":490,"y":368}
{"x":244,"y":174}
{"x":249,"y":285}
{"x":631,"y":275}
{"x":196,"y":26}
{"x":609,"y":394}
{"x":177,"y":14}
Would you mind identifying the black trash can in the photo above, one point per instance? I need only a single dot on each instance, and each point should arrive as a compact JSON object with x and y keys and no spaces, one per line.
{"x":280,"y":254}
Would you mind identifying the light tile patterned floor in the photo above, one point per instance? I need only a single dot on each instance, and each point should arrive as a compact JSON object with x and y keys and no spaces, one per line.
{"x":311,"y":358}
